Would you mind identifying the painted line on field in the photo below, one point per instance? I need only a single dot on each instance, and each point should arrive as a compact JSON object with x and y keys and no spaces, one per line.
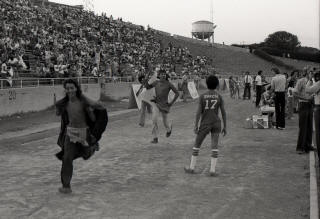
{"x":314,"y":210}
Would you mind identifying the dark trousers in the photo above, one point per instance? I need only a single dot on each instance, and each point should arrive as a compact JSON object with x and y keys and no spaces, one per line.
{"x":280,"y":103}
{"x":71,"y":152}
{"x":258,"y":94}
{"x":247,"y":91}
{"x":305,"y":126}
{"x":316,"y":114}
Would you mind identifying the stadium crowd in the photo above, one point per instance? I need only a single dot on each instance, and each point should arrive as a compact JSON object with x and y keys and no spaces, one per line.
{"x":57,"y":41}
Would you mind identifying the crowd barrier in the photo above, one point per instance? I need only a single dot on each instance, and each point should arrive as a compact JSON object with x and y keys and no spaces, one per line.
{"x":36,"y":82}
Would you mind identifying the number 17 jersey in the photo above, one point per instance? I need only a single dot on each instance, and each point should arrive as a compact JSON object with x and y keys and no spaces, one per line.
{"x":209,"y":104}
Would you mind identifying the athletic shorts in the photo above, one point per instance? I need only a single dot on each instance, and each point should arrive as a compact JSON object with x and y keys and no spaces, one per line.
{"x":204,"y":131}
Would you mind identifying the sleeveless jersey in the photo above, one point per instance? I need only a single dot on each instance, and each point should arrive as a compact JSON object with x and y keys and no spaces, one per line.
{"x":210,"y":103}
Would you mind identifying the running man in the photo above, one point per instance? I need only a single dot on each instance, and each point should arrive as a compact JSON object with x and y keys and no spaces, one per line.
{"x":208,"y":115}
{"x":160,"y":103}
{"x":82,"y":123}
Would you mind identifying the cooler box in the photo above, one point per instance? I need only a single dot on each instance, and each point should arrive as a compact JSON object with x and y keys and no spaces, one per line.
{"x":260,"y":122}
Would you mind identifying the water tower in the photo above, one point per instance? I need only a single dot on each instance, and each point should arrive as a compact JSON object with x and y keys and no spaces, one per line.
{"x":203,"y":30}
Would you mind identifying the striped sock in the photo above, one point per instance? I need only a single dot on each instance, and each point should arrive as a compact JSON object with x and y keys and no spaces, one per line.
{"x":214,"y":159}
{"x":195,"y":153}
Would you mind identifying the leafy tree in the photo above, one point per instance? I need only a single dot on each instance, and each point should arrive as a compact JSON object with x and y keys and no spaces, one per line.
{"x":282,"y":40}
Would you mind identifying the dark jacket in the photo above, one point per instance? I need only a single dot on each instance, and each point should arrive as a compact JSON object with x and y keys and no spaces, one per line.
{"x":96,"y":126}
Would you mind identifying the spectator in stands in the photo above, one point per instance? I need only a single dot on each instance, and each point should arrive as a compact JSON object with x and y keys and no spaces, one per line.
{"x":197,"y":80}
{"x":59,"y":34}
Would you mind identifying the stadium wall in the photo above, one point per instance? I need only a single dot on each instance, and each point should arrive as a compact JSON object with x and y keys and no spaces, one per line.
{"x":115,"y":91}
{"x":23,"y":100}
{"x":33,"y":99}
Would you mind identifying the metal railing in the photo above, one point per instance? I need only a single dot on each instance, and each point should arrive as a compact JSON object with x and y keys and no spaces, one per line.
{"x":36,"y":82}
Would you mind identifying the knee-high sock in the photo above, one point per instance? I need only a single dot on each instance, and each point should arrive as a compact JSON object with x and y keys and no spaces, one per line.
{"x":214,"y":159}
{"x":195,"y":153}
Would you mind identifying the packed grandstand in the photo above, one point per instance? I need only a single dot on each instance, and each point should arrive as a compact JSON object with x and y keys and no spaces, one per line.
{"x":54,"y":41}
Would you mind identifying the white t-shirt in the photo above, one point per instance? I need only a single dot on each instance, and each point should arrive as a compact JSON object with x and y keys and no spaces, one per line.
{"x":258,"y":80}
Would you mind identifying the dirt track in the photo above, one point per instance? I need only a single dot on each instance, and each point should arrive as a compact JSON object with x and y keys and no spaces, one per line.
{"x":260,"y":175}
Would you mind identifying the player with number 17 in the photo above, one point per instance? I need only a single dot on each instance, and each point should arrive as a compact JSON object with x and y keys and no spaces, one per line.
{"x":208,"y":115}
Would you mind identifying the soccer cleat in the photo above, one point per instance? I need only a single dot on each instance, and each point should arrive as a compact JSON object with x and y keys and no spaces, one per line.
{"x":169,"y":133}
{"x":189,"y":170}
{"x":65,"y":190}
{"x":154,"y":141}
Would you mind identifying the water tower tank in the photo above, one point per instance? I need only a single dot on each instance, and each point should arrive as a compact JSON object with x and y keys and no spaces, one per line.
{"x":202,"y":29}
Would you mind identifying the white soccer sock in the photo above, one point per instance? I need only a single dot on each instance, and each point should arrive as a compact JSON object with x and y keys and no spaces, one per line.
{"x":193,"y":162}
{"x":214,"y":159}
{"x":195,"y":153}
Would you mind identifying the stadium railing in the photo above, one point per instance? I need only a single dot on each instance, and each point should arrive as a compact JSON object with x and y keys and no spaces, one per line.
{"x":36,"y":82}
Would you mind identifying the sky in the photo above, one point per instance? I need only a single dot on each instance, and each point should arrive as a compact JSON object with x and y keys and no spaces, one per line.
{"x":238,"y":21}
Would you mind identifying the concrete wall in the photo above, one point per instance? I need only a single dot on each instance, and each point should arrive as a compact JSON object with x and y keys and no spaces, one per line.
{"x":121,"y":90}
{"x":115,"y":91}
{"x":24,"y":100}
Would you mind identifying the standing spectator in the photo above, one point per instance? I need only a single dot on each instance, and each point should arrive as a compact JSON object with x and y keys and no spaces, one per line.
{"x":305,"y":115}
{"x":314,"y":88}
{"x":278,"y":86}
{"x":232,"y":87}
{"x":290,"y":101}
{"x":258,"y":83}
{"x":247,"y":86}
{"x":237,"y":87}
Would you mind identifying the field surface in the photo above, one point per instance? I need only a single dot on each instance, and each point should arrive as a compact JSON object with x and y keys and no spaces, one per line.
{"x":259,"y":173}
